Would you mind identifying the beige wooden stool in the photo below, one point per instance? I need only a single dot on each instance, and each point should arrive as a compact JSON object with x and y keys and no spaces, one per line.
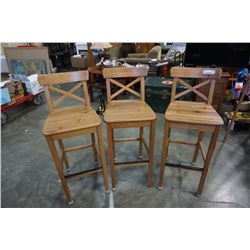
{"x":192,"y":115}
{"x":128,"y":114}
{"x":72,"y":121}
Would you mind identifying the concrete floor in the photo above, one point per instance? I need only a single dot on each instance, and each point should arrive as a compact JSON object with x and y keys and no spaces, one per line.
{"x":29,"y":178}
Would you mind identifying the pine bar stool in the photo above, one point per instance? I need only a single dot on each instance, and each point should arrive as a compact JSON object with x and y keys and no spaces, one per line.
{"x":130,"y":113}
{"x":199,"y":116}
{"x":72,"y":121}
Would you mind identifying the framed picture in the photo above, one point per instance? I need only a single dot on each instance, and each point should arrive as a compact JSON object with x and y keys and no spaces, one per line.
{"x":28,"y":67}
{"x":28,"y":60}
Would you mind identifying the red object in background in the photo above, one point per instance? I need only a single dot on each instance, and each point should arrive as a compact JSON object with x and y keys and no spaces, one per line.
{"x":19,"y":101}
{"x":165,"y":70}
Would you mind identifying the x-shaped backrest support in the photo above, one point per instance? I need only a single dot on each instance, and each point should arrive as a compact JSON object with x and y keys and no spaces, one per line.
{"x":66,"y":94}
{"x":125,"y":87}
{"x":194,"y":89}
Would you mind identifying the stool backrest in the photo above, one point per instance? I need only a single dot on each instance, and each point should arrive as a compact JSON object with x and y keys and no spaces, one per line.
{"x":79,"y":77}
{"x":209,"y":74}
{"x":122,"y":72}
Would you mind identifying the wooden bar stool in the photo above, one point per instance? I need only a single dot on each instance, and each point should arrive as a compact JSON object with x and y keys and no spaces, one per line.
{"x":200,"y":116}
{"x":72,"y":121}
{"x":130,"y":113}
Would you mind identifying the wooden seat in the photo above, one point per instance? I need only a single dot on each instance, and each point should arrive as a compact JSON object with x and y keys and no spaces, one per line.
{"x":69,"y":119}
{"x":72,"y":121}
{"x":192,"y":115}
{"x":128,"y":114}
{"x":129,"y":110}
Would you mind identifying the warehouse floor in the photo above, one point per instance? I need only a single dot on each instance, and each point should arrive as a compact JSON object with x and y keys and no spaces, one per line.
{"x":29,"y":178}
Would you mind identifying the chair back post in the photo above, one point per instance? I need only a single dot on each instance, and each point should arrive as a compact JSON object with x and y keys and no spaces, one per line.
{"x":110,"y":74}
{"x":210,"y":75}
{"x":49,"y":80}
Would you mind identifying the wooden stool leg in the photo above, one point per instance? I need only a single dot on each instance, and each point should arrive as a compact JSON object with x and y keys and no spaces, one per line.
{"x":113,"y":143}
{"x":65,"y":158}
{"x":235,"y":112}
{"x":59,"y":168}
{"x":165,"y":144}
{"x":151,"y":152}
{"x":103,"y":160}
{"x":199,"y":140}
{"x":94,"y":147}
{"x":111,"y":155}
{"x":140,"y":142}
{"x":209,"y":155}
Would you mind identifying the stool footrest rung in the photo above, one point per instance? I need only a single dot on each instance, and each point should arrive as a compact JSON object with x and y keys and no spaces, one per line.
{"x":175,"y":165}
{"x":77,"y":147}
{"x":84,"y":173}
{"x":130,"y":164}
{"x":182,"y":142}
{"x":126,"y":139}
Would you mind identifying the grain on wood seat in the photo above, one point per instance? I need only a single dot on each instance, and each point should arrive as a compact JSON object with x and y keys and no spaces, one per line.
{"x":193,"y":112}
{"x":70,"y":119}
{"x":128,"y":111}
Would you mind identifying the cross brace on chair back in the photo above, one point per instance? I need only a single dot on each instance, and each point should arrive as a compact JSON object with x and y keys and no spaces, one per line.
{"x":211,"y":74}
{"x":60,"y":78}
{"x":122,"y":72}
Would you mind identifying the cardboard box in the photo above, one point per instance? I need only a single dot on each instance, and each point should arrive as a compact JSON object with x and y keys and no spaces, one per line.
{"x":32,"y":85}
{"x":79,"y":62}
{"x":15,"y":88}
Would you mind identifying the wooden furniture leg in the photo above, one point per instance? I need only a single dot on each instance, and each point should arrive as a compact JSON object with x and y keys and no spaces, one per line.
{"x":59,"y":168}
{"x":94,"y":147}
{"x":103,"y":160}
{"x":111,"y":155}
{"x":166,"y":139}
{"x":90,"y":87}
{"x":210,"y":151}
{"x":235,"y":112}
{"x":151,"y":152}
{"x":65,"y":158}
{"x":197,"y":148}
{"x":113,"y":144}
{"x":140,"y":142}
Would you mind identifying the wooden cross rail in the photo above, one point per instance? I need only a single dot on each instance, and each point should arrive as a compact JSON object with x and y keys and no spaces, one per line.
{"x":174,"y":165}
{"x":69,"y":149}
{"x":194,"y":89}
{"x":83,"y":173}
{"x":125,"y":88}
{"x":67,"y":94}
{"x":60,"y":99}
{"x":131,"y":164}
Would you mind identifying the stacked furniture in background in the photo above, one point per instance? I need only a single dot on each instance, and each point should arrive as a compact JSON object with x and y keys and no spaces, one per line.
{"x":144,"y":58}
{"x":60,"y":54}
